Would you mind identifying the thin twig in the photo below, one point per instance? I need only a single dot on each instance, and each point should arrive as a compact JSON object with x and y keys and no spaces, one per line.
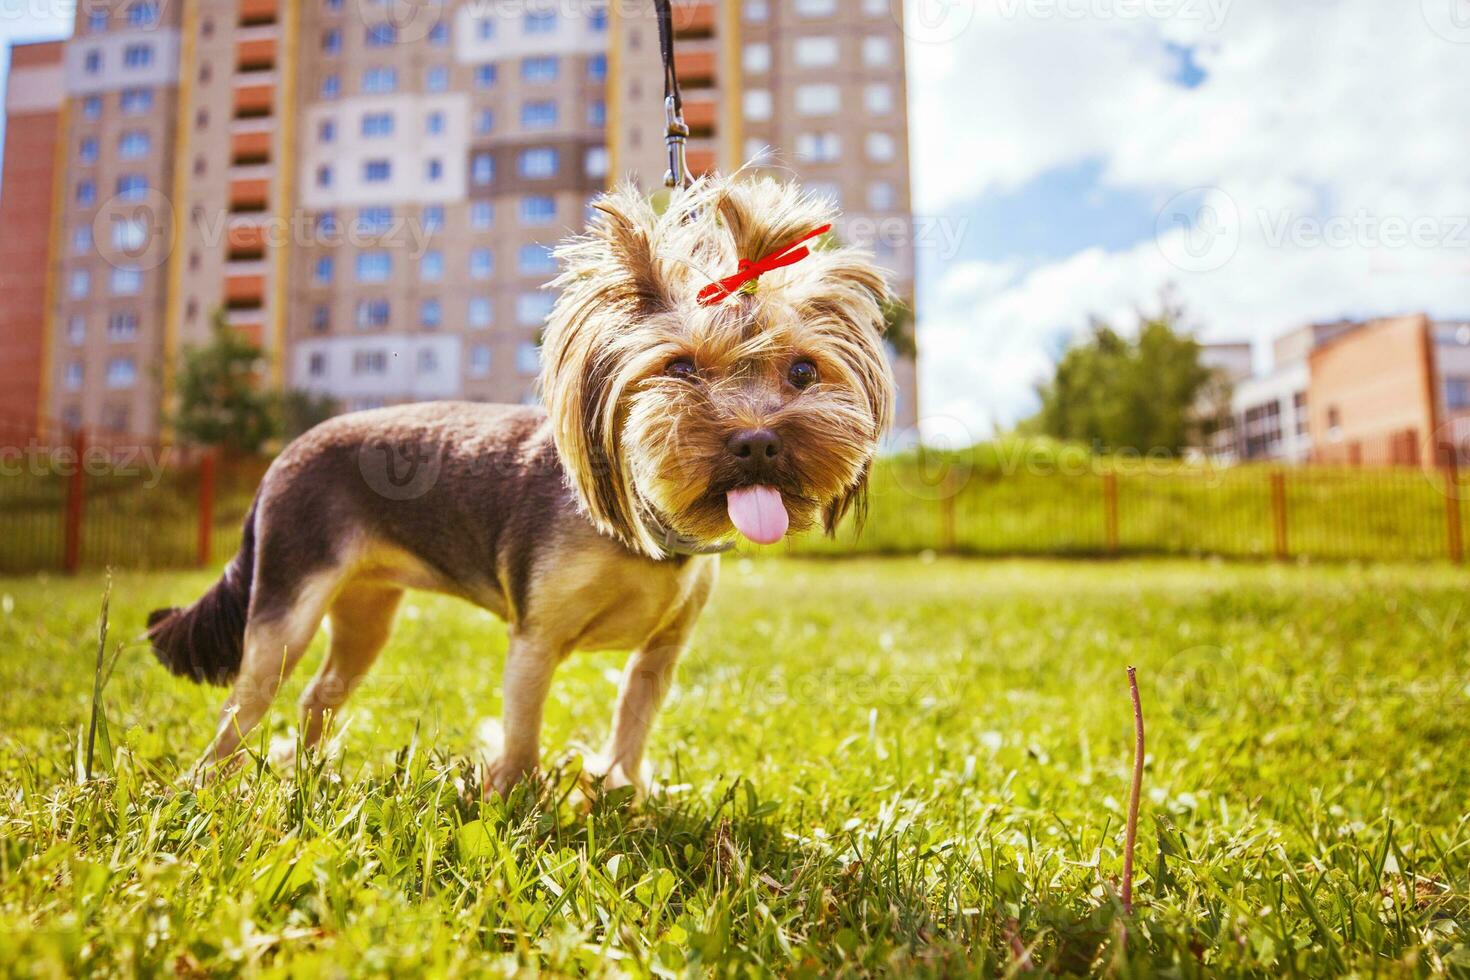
{"x":97,"y":676}
{"x":1135,"y":791}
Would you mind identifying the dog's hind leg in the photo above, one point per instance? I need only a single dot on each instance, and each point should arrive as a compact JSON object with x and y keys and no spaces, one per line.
{"x":275,"y":639}
{"x":529,"y":664}
{"x":359,"y":622}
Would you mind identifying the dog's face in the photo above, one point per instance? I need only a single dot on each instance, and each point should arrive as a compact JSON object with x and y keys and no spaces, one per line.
{"x":758,"y":413}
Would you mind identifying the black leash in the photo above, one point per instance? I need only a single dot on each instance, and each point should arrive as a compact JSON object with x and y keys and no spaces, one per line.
{"x":676,"y":134}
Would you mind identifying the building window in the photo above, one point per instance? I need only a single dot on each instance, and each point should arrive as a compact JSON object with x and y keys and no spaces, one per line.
{"x":76,"y":330}
{"x":484,"y":122}
{"x":428,"y":360}
{"x":880,"y":147}
{"x":431,"y":314}
{"x":434,"y":124}
{"x":122,"y":372}
{"x":540,"y":69}
{"x":539,"y":22}
{"x":818,"y":100}
{"x":81,"y":240}
{"x":528,"y":357}
{"x":819,"y":147}
{"x":538,"y":115}
{"x":331,"y":86}
{"x":1303,"y":421}
{"x":816,"y":52}
{"x":533,"y":308}
{"x":816,"y":8}
{"x":74,"y":375}
{"x":439,"y":34}
{"x":372,"y":314}
{"x":92,"y":62}
{"x":756,"y":11}
{"x":322,"y":273}
{"x":381,"y":35}
{"x":92,"y":107}
{"x":326,"y":131}
{"x":321,"y":318}
{"x":374,"y":266}
{"x":377,"y":124}
{"x":133,"y":144}
{"x":143,"y":14}
{"x":597,"y":19}
{"x":597,"y":113}
{"x":757,"y":102}
{"x":316,"y":364}
{"x":595,"y":161}
{"x":86,"y":193}
{"x":480,"y":361}
{"x":380,"y":80}
{"x":756,"y":58}
{"x":1262,"y":430}
{"x":126,"y":281}
{"x":80,"y":284}
{"x":122,"y":327}
{"x":537,"y":209}
{"x":1457,"y":393}
{"x":431,"y":266}
{"x":481,"y":264}
{"x":538,"y":163}
{"x":881,"y":196}
{"x":485,"y":29}
{"x":87,"y":151}
{"x":878,"y":99}
{"x":331,"y":41}
{"x":433,"y":170}
{"x":324,"y":176}
{"x":132,"y":187}
{"x":535,"y":260}
{"x":484,"y":76}
{"x":877,"y":52}
{"x":129,"y":235}
{"x":482,"y":169}
{"x":597,"y":68}
{"x":137,"y":56}
{"x":377,"y":171}
{"x":481,"y":314}
{"x":97,"y":22}
{"x":433,"y":219}
{"x":369,"y":362}
{"x":136,"y":101}
{"x":482,"y":213}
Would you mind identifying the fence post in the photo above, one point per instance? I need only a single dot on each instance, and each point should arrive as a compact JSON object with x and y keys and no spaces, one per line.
{"x":1278,"y":513}
{"x":1453,"y":532}
{"x":76,"y":490}
{"x":948,"y":490}
{"x":206,"y":504}
{"x":1110,"y":512}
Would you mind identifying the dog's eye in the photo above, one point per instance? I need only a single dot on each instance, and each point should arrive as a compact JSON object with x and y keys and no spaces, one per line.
{"x":681,"y":367}
{"x":802,"y":374}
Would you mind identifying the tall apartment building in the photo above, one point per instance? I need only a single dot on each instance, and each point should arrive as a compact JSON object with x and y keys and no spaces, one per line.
{"x":369,"y":188}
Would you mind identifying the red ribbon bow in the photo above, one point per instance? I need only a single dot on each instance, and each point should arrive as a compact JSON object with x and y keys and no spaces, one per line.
{"x":788,"y":254}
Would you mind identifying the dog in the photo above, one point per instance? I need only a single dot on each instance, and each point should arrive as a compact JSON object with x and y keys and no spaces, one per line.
{"x":679,"y":413}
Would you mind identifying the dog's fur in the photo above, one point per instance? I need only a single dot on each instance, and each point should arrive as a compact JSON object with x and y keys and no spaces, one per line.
{"x":556,"y":521}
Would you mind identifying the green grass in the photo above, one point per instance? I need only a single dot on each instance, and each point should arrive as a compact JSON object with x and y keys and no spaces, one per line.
{"x":871,"y":767}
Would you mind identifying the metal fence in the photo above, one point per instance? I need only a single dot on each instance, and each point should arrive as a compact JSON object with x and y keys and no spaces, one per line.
{"x":86,"y":500}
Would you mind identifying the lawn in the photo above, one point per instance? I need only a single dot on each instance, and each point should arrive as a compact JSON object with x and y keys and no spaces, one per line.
{"x":868,"y":766}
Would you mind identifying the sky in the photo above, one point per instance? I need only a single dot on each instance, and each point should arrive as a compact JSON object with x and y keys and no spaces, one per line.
{"x":1269,"y":162}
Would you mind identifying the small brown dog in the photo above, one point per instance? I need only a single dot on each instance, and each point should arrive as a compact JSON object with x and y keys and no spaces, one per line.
{"x":672,"y":421}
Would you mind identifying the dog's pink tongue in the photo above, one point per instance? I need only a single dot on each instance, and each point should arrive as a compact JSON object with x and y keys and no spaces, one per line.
{"x":758,"y":513}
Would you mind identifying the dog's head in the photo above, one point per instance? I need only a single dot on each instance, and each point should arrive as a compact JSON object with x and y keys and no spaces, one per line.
{"x":758,"y":411}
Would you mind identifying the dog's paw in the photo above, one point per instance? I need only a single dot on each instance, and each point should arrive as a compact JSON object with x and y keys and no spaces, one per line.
{"x":502,"y":775}
{"x":602,"y":775}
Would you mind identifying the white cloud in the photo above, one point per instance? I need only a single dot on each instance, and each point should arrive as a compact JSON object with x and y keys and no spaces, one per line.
{"x":1327,"y":129}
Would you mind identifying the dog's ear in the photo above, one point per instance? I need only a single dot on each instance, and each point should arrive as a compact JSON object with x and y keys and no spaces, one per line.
{"x":609,"y":280}
{"x":853,"y":499}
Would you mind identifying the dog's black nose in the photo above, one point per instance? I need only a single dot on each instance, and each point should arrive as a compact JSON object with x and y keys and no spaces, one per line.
{"x":756,"y":446}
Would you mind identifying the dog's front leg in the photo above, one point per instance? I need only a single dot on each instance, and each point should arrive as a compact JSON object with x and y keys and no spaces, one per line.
{"x":646,"y":681}
{"x":529,"y":664}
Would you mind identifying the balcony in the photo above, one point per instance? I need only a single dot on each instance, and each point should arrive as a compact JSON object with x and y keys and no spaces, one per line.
{"x":696,"y":68}
{"x":256,"y":12}
{"x":700,"y":115}
{"x":246,"y":243}
{"x":249,"y":195}
{"x":248,"y":323}
{"x":694,"y":19}
{"x":254,"y":100}
{"x":701,"y":160}
{"x":255,"y":55}
{"x":249,"y":148}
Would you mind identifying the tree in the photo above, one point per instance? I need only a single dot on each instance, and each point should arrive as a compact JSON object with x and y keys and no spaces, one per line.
{"x":898,"y":323}
{"x":221,"y":399}
{"x":1141,"y":394}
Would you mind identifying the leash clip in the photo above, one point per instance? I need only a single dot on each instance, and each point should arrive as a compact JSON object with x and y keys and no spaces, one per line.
{"x":675,"y":137}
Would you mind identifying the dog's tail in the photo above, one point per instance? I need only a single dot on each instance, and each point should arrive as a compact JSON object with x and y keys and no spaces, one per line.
{"x":206,"y":641}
